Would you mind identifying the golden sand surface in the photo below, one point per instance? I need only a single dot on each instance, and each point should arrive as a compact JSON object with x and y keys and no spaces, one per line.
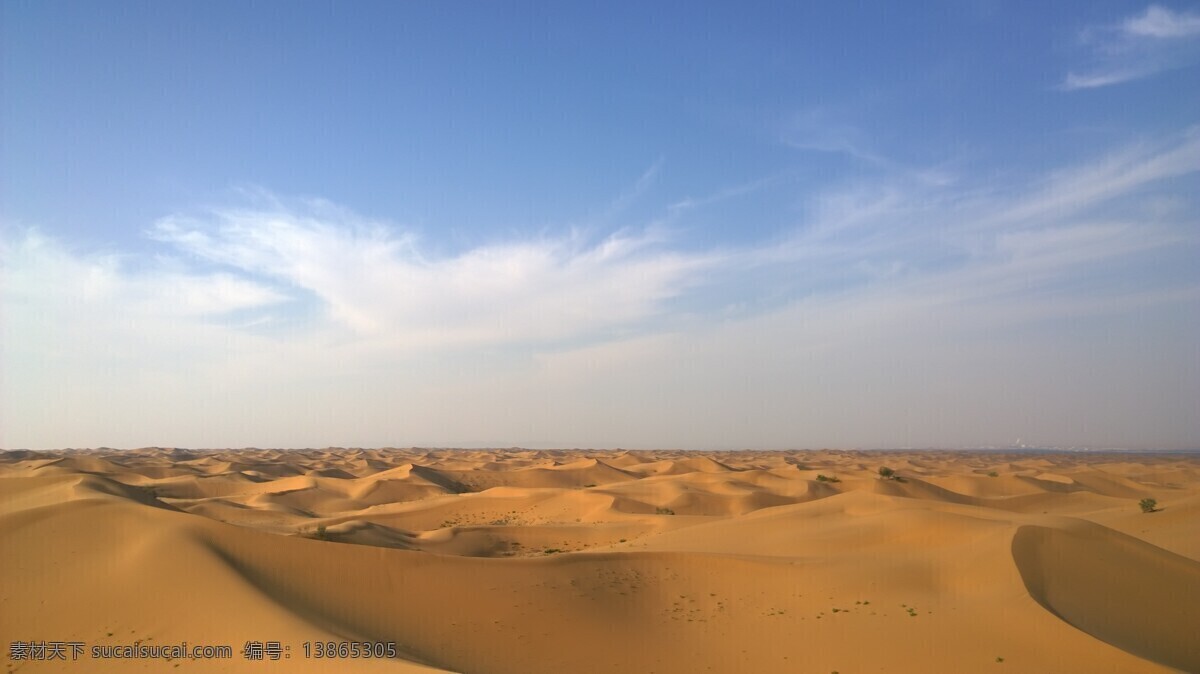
{"x":523,"y":561}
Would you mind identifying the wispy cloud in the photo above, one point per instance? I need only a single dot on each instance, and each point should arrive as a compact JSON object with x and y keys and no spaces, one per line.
{"x":639,"y":188}
{"x":1071,"y":190}
{"x":1142,"y":45}
{"x":686,"y":204}
{"x":823,"y":130}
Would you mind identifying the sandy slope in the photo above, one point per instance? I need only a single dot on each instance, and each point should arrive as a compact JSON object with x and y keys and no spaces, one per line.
{"x":536,"y":561}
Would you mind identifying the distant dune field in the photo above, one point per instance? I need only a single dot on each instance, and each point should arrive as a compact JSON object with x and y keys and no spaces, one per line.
{"x":521,"y":561}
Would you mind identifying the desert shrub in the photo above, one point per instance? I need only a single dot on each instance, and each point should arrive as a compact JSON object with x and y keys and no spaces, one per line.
{"x":1148,"y":505}
{"x":322,"y":534}
{"x":663,"y":511}
{"x":993,"y":474}
{"x":887,"y":473}
{"x":828,"y":478}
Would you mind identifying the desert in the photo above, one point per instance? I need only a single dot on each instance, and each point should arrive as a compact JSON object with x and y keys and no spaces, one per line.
{"x":600,"y":337}
{"x":519,"y":561}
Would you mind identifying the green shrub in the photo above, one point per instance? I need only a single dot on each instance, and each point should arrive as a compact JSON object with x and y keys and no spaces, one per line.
{"x":887,"y":473}
{"x":663,"y":511}
{"x":1148,"y":505}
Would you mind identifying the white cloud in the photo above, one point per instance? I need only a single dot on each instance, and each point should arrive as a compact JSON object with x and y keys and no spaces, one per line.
{"x":1156,"y":40}
{"x":39,"y":270}
{"x":379,"y":284}
{"x":1162,"y":22}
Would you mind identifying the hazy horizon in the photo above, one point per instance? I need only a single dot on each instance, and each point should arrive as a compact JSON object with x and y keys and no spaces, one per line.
{"x":694,"y":226}
{"x":1012,"y":450}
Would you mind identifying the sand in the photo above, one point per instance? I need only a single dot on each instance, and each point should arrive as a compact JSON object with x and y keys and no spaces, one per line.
{"x":518,"y":561}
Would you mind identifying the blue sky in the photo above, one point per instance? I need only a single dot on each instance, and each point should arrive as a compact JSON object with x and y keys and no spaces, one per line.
{"x":569,"y":224}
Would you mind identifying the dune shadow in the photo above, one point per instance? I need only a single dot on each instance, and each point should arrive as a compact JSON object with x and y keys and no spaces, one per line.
{"x":1119,"y":589}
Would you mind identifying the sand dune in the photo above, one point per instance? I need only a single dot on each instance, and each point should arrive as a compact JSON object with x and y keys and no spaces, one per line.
{"x":608,"y":561}
{"x":1136,"y":596}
